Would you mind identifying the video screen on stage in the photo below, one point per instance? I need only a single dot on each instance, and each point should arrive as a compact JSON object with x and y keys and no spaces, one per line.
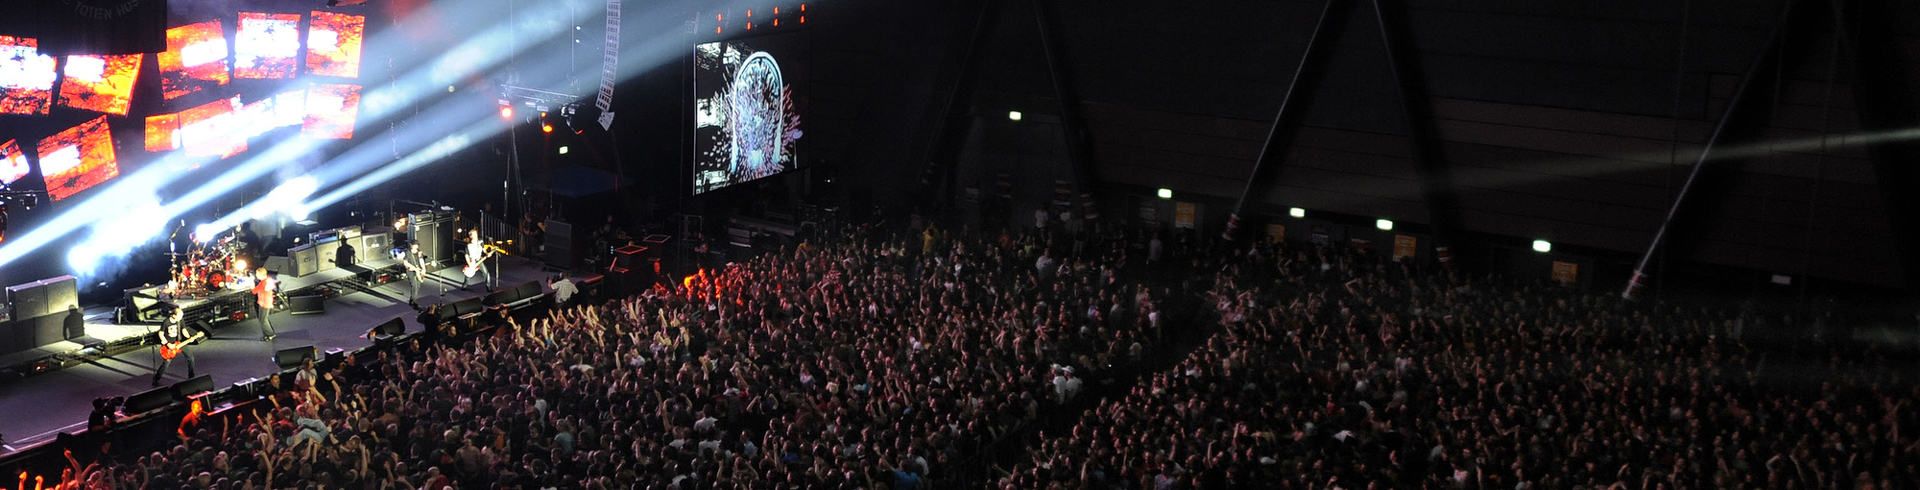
{"x":100,"y":83}
{"x":195,"y":59}
{"x":266,"y":45}
{"x":749,"y":95}
{"x":212,"y":129}
{"x":333,"y":44}
{"x":13,"y":163}
{"x":26,"y":77}
{"x":77,"y":159}
{"x":331,"y":110}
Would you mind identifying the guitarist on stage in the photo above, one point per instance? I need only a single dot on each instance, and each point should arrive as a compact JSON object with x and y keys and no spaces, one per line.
{"x":477,"y":255}
{"x":416,"y":264}
{"x":174,"y":343}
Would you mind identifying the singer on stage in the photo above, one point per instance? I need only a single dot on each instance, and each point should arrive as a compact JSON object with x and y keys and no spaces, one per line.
{"x":264,"y":289}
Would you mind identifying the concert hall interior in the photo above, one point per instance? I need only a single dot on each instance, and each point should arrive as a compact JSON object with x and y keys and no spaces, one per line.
{"x":863,"y":244}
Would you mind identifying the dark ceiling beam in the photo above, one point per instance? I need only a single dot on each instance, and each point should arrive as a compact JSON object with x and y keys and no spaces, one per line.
{"x":1436,"y":180}
{"x":1768,"y":56}
{"x":943,"y":152}
{"x":1064,"y":90}
{"x":1308,"y":73}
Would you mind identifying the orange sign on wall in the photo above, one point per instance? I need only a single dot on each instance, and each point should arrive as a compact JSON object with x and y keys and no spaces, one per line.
{"x":1404,"y":246}
{"x":1277,"y":233}
{"x":1565,"y":272}
{"x":1183,"y":215}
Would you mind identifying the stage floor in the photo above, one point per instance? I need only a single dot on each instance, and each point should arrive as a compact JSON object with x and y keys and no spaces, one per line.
{"x":39,"y":407}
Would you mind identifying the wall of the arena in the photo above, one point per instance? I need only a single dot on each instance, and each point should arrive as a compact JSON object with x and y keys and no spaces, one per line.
{"x":1569,"y":121}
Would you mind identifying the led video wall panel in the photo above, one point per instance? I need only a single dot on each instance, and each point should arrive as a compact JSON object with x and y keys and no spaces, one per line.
{"x":211,"y":129}
{"x":13,"y":164}
{"x":331,"y":110}
{"x":748,"y":98}
{"x":163,"y":133}
{"x":266,"y":45}
{"x":195,"y":59}
{"x":100,"y":83}
{"x":333,"y":44}
{"x":77,"y":159}
{"x":26,"y":77}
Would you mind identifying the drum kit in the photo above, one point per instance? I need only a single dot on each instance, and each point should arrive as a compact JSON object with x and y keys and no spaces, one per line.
{"x":207,"y":267}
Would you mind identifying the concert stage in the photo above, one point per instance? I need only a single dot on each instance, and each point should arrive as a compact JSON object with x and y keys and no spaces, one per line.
{"x":42,"y":405}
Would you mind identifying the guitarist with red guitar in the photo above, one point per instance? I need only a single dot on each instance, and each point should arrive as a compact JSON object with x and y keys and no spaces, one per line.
{"x":477,"y":254}
{"x":174,"y":343}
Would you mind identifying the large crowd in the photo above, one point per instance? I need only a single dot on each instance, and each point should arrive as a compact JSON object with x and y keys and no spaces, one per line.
{"x":1096,"y":358}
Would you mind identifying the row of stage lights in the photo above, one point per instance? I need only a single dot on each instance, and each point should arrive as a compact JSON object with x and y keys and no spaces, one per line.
{"x":791,"y":15}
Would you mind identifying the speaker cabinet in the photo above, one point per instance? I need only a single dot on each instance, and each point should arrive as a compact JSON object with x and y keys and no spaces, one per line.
{"x":327,"y":251}
{"x":150,"y":400}
{"x":184,"y":390}
{"x":292,"y":358}
{"x":396,"y":326}
{"x":306,"y":260}
{"x":560,"y":251}
{"x":29,"y":300}
{"x":307,"y":304}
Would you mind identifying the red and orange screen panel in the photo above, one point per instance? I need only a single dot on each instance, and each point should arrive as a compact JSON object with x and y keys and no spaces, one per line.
{"x":195,"y":59}
{"x":77,"y":159}
{"x":26,"y":77}
{"x":100,"y":83}
{"x":333,"y":44}
{"x":266,"y":45}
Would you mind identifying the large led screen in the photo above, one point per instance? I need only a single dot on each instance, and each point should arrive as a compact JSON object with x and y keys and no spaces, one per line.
{"x":333,"y":44}
{"x":748,"y":97}
{"x":266,"y":45}
{"x":163,"y":133}
{"x":26,"y":77}
{"x":195,"y":59}
{"x":331,"y":110}
{"x":78,"y":158}
{"x":13,"y":164}
{"x":212,"y":129}
{"x":100,"y":83}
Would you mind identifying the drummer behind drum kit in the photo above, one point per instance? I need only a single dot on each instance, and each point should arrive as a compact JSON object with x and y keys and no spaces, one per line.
{"x":208,"y":267}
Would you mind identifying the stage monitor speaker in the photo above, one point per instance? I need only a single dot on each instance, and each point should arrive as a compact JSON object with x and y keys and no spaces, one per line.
{"x":530,"y":289}
{"x":306,"y":260}
{"x":306,"y":304}
{"x":150,"y":400}
{"x":29,"y":300}
{"x":374,"y":246}
{"x":328,"y":250}
{"x":62,"y":293}
{"x":192,"y":387}
{"x":560,"y":251}
{"x":278,"y":264}
{"x":467,"y":306}
{"x":293,"y":358}
{"x":656,"y":244}
{"x":434,"y":233}
{"x":503,"y":296}
{"x":396,"y":326}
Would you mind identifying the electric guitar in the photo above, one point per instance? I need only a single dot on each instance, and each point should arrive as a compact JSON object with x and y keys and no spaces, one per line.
{"x":473,"y":266}
{"x":171,"y":350}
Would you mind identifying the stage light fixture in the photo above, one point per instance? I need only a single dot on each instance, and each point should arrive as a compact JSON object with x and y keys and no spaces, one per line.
{"x":29,"y":201}
{"x":1297,"y":212}
{"x":449,"y":89}
{"x":563,"y":150}
{"x":1383,"y":224}
{"x":1013,"y":115}
{"x":1542,"y":246}
{"x":506,"y":112}
{"x":1165,"y":193}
